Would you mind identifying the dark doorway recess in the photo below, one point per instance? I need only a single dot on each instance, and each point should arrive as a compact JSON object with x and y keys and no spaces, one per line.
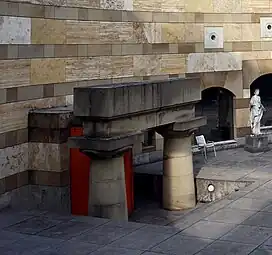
{"x":264,"y":84}
{"x":217,"y":106}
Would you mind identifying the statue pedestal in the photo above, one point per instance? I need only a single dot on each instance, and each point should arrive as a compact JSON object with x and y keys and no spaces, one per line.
{"x":256,"y":143}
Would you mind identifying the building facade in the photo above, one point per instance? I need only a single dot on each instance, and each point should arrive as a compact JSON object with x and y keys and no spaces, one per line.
{"x":49,"y":47}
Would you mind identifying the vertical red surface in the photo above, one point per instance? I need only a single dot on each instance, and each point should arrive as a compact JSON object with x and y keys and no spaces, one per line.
{"x":79,"y":173}
{"x":129,"y":181}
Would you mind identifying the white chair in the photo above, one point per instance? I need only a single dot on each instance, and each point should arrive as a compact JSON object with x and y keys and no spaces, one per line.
{"x":203,"y":145}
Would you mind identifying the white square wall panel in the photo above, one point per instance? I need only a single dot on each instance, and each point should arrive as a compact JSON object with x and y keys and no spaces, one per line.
{"x":266,"y":27}
{"x":213,"y":38}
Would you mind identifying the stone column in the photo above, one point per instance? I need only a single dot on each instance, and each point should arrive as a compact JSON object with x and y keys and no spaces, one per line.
{"x":107,"y":189}
{"x":178,"y":176}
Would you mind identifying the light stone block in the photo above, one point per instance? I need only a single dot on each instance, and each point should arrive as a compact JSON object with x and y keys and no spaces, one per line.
{"x":44,"y":71}
{"x":199,"y":6}
{"x":112,"y":5}
{"x":48,"y":157}
{"x":227,"y":61}
{"x":14,"y":116}
{"x":242,"y":117}
{"x":227,"y":6}
{"x":144,"y":65}
{"x":246,"y":93}
{"x":82,"y":32}
{"x":172,"y":5}
{"x":143,"y":5}
{"x":13,"y":160}
{"x":194,"y":32}
{"x":234,"y":83}
{"x":82,"y":69}
{"x":153,"y":32}
{"x":117,"y":4}
{"x":266,"y":27}
{"x":251,"y":32}
{"x":48,"y":31}
{"x":15,"y":30}
{"x":232,"y":32}
{"x":172,"y":33}
{"x":172,"y":64}
{"x":213,"y":38}
{"x":14,"y":73}
{"x":211,"y":62}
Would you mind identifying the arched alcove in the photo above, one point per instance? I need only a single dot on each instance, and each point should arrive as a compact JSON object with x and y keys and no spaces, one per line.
{"x":217,"y":106}
{"x":264,"y":84}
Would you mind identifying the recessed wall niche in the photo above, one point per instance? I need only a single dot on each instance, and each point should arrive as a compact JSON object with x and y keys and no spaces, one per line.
{"x":213,"y":38}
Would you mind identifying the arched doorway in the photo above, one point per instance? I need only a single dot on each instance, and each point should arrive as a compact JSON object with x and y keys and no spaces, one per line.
{"x":264,"y":84}
{"x":217,"y":105}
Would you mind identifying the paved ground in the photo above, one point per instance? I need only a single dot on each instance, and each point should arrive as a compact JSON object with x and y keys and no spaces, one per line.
{"x":238,"y":224}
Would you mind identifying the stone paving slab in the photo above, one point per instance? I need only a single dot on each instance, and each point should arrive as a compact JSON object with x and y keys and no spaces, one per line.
{"x":239,"y":224}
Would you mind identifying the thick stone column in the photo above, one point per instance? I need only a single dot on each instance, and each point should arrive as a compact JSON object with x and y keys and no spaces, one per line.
{"x":178,"y":176}
{"x":107,"y":189}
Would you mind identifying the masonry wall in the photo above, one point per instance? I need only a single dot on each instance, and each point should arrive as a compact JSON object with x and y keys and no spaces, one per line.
{"x":49,"y":47}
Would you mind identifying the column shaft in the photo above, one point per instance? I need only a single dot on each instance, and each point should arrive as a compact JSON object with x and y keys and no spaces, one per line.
{"x":178,"y":176}
{"x":107,"y":190}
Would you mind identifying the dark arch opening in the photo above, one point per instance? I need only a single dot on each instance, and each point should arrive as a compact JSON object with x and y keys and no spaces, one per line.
{"x":264,"y":84}
{"x":217,"y":106}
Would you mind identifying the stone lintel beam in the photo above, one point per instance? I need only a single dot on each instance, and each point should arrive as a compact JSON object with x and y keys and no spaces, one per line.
{"x":107,"y":147}
{"x":128,"y":99}
{"x":138,"y":122}
{"x":182,"y":128}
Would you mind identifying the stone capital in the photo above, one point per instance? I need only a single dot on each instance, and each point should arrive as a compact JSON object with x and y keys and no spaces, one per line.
{"x":181,"y":129}
{"x":106,"y":147}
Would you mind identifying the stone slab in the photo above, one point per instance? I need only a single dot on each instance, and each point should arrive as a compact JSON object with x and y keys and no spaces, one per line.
{"x":15,"y":30}
{"x":112,"y":101}
{"x":255,"y":144}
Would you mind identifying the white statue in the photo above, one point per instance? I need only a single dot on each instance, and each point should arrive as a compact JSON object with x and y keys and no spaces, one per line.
{"x":256,"y":113}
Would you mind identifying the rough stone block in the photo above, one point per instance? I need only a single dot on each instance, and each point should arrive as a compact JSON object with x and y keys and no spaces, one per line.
{"x":44,"y":71}
{"x":256,"y":144}
{"x":15,"y":30}
{"x":48,"y":31}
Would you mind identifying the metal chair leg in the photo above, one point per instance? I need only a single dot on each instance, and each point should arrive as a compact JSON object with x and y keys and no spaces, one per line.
{"x":205,"y":153}
{"x":214,"y":151}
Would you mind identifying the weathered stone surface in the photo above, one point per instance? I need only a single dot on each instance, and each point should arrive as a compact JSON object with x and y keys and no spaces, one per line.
{"x":14,"y":73}
{"x":134,"y":98}
{"x":82,"y":69}
{"x":14,"y":116}
{"x":82,"y":32}
{"x":256,"y":144}
{"x":44,"y":71}
{"x":15,"y":30}
{"x":48,"y":31}
{"x":13,"y":160}
{"x":210,"y":62}
{"x":48,"y":157}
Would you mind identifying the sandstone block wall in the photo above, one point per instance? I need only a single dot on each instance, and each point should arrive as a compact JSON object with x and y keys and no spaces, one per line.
{"x":49,"y":47}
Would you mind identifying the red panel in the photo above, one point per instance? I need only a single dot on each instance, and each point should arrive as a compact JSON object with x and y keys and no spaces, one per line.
{"x":79,"y":173}
{"x":129,"y":181}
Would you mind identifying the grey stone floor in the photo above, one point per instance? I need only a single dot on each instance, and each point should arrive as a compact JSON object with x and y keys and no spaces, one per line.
{"x":238,"y":224}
